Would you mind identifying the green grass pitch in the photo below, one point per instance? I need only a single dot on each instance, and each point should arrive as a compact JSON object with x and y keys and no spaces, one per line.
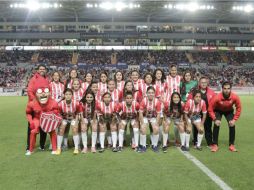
{"x":126,"y":170}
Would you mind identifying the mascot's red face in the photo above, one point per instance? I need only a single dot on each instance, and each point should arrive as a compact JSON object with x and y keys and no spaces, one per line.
{"x":42,"y":95}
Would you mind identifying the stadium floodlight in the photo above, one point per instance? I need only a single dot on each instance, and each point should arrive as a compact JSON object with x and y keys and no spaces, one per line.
{"x":120,"y":6}
{"x":106,"y":6}
{"x":34,"y":5}
{"x":191,"y":7}
{"x":248,"y":8}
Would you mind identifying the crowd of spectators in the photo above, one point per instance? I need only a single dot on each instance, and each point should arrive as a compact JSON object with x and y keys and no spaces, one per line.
{"x":11,"y":77}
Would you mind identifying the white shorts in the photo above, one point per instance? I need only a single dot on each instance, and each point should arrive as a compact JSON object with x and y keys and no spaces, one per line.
{"x":151,"y":120}
{"x":71,"y":122}
{"x":197,"y":120}
{"x":125,"y":122}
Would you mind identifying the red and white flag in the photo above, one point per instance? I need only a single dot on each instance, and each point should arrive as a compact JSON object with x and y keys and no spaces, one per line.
{"x":49,"y":122}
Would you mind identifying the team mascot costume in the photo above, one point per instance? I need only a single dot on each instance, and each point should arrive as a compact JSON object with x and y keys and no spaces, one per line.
{"x":42,"y":112}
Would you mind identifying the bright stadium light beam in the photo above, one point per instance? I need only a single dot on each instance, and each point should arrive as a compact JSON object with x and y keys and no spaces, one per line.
{"x":32,"y":5}
{"x":106,"y":6}
{"x":120,"y":6}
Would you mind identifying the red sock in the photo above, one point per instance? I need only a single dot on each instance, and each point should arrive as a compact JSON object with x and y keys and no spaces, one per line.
{"x":53,"y":140}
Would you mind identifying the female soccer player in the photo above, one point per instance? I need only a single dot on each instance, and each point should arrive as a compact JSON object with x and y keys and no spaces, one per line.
{"x":129,"y":87}
{"x":94,"y":87}
{"x":56,"y":87}
{"x":136,"y":80}
{"x":119,"y":79}
{"x":116,"y":95}
{"x":88,"y":80}
{"x":78,"y":92}
{"x":186,"y":85}
{"x":88,"y":120}
{"x":173,"y":113}
{"x":192,"y":115}
{"x":102,"y":85}
{"x":70,"y":110}
{"x":159,"y":84}
{"x":128,"y":111}
{"x":106,"y":110}
{"x":148,"y":79}
{"x":149,"y":114}
{"x":73,"y":74}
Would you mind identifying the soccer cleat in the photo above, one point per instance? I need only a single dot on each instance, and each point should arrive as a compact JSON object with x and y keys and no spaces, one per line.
{"x":114,"y":149}
{"x":183,"y":148}
{"x":58,"y":151}
{"x":133,"y":146}
{"x":93,"y":149}
{"x":28,"y":153}
{"x":75,"y":152}
{"x":164,"y":149}
{"x":210,"y":146}
{"x":214,"y":148}
{"x":155,"y":149}
{"x":120,"y":149}
{"x":232,"y":148}
{"x":101,"y":150}
{"x":53,"y":152}
{"x":187,"y":149}
{"x":84,"y":151}
{"x":199,"y":148}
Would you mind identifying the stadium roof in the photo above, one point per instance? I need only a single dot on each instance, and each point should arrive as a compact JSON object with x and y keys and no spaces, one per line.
{"x":152,"y":11}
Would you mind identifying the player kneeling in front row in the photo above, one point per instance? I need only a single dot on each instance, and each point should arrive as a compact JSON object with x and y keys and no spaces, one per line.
{"x":173,"y":112}
{"x":192,"y":112}
{"x":88,"y":120}
{"x":70,"y":110}
{"x":149,"y":115}
{"x":128,"y":111}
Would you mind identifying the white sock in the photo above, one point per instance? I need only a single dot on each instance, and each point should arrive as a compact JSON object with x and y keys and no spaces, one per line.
{"x":66,"y":141}
{"x":152,"y":140}
{"x":84,"y":139}
{"x":187,"y":140}
{"x":165,"y":138}
{"x":142,"y":140}
{"x":161,"y":133}
{"x":176,"y":132}
{"x":94,"y":138}
{"x":108,"y":135}
{"x":76,"y":141}
{"x":59,"y":141}
{"x":155,"y":139}
{"x":136,"y":135}
{"x":114,"y":138}
{"x":182,"y":137}
{"x":121,"y":134}
{"x":102,"y":139}
{"x":200,"y":137}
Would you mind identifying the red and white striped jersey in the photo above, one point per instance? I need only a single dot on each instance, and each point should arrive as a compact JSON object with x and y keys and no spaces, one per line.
{"x":78,"y":95}
{"x":143,"y":88}
{"x":150,"y":108}
{"x":192,"y":109}
{"x":116,"y":96}
{"x":175,"y":112}
{"x":137,"y":83}
{"x":160,"y":89}
{"x":56,"y":90}
{"x":126,"y":112}
{"x":103,"y":109}
{"x":85,"y":85}
{"x":173,"y":83}
{"x":69,"y":111}
{"x":102,"y":87}
{"x":120,"y":85}
{"x":87,"y":111}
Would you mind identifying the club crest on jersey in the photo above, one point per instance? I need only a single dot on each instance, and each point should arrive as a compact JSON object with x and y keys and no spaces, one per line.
{"x":49,"y":122}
